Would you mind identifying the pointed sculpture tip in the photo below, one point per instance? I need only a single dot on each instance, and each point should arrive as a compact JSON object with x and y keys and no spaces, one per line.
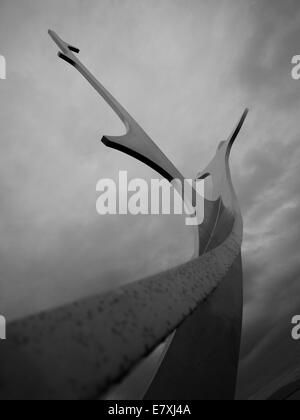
{"x":64,"y":46}
{"x":238,"y":128}
{"x":54,"y":36}
{"x":246,"y":112}
{"x":51,"y":33}
{"x":243,"y":117}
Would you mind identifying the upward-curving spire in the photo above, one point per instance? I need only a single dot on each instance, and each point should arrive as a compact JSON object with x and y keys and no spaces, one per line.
{"x":135,"y":142}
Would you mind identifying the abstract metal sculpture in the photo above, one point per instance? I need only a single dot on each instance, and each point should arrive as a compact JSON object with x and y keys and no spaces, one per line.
{"x":80,"y":350}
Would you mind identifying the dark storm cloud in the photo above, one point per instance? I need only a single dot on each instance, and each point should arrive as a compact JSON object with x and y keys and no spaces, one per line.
{"x":265,"y":64}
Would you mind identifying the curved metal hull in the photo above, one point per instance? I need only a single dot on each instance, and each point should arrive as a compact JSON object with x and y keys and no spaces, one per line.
{"x":202,"y":360}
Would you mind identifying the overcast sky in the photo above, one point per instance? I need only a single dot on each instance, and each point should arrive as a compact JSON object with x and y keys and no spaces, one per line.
{"x":185,"y":70}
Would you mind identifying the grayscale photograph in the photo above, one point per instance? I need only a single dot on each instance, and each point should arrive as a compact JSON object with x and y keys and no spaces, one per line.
{"x":149,"y":181}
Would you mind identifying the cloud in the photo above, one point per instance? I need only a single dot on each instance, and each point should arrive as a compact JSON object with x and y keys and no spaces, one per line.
{"x":185,"y":71}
